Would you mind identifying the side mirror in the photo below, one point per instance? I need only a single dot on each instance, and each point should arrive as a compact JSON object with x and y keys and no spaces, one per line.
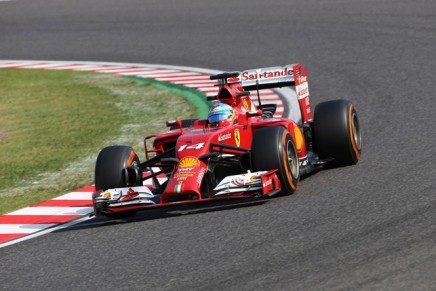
{"x":254,"y":113}
{"x":174,"y":123}
{"x":268,"y":108}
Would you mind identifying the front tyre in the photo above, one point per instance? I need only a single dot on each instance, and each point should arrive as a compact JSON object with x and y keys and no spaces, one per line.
{"x":274,"y":148}
{"x":110,"y":164}
{"x":337,"y":132}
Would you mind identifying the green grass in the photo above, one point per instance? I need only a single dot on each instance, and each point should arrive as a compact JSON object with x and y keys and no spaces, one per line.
{"x":53,"y":124}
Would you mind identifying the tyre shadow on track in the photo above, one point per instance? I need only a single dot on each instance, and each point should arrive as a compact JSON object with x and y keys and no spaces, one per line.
{"x":174,"y":211}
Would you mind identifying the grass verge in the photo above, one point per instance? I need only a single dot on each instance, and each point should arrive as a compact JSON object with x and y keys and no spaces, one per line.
{"x":54,"y":123}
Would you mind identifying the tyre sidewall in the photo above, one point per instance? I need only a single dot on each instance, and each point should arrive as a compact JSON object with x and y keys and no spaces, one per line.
{"x":269,"y":151}
{"x":109,"y":165}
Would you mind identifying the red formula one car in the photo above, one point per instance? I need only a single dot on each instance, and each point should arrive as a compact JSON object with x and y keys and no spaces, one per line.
{"x":239,"y":151}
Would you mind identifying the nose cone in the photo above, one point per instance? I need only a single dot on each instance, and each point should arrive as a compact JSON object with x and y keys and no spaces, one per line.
{"x":185,"y":181}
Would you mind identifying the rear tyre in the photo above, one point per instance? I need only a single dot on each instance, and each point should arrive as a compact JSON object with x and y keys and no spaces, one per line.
{"x":337,"y":132}
{"x":109,"y":166}
{"x":274,"y":148}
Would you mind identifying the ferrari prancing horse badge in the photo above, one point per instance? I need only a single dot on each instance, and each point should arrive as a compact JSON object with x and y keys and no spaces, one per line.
{"x":237,"y":137}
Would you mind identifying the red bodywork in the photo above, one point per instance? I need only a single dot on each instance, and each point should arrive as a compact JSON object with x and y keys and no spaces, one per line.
{"x":193,"y":147}
{"x":194,"y":142}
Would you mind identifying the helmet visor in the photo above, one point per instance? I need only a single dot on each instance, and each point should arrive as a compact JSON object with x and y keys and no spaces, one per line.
{"x":218,"y":117}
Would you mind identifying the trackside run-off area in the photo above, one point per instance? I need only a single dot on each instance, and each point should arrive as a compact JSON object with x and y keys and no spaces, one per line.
{"x":47,"y":215}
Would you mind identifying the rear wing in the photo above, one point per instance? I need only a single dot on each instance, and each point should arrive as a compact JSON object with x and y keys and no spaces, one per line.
{"x":266,"y":78}
{"x":277,"y":77}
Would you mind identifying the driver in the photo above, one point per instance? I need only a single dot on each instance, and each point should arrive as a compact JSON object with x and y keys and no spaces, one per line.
{"x":221,"y":115}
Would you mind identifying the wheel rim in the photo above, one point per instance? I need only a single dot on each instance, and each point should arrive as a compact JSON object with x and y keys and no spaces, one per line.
{"x":292,"y":159}
{"x":356,"y":131}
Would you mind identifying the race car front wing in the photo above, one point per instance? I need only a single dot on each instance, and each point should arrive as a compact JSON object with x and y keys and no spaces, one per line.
{"x":262,"y":183}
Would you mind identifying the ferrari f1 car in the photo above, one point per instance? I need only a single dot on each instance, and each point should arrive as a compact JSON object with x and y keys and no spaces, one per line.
{"x":241,"y":150}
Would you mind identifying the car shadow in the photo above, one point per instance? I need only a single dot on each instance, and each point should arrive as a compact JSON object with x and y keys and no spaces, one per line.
{"x":177,"y":210}
{"x":162,"y":213}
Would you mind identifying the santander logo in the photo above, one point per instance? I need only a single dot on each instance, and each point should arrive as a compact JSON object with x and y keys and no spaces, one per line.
{"x":266,"y":74}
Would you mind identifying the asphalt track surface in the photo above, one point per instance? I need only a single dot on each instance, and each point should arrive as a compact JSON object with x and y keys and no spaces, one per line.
{"x":370,"y":226}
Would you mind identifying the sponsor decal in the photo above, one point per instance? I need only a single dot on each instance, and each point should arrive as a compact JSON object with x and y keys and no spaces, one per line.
{"x":302,"y":90}
{"x":267,"y":73}
{"x":267,"y":183}
{"x":188,"y":162}
{"x":185,"y":170}
{"x":237,"y":137}
{"x":201,"y":175}
{"x":183,"y":176}
{"x":224,"y":137}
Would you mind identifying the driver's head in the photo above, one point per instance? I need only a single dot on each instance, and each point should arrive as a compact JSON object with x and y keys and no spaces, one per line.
{"x":221,"y":114}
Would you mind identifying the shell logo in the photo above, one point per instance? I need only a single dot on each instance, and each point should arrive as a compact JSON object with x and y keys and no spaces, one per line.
{"x":188,"y":162}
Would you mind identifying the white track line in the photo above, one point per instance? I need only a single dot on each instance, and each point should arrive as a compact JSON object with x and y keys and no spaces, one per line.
{"x":45,"y":231}
{"x":75,"y":196}
{"x":53,"y":210}
{"x":23,"y":228}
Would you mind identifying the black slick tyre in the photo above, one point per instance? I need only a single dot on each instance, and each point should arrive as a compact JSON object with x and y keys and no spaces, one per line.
{"x":274,"y":148}
{"x":337,"y":132}
{"x":109,"y":166}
